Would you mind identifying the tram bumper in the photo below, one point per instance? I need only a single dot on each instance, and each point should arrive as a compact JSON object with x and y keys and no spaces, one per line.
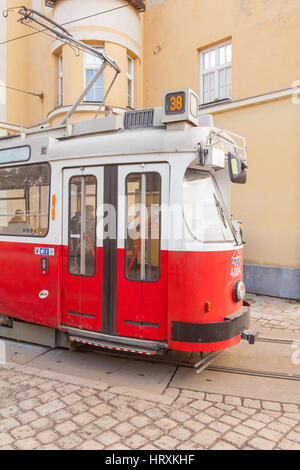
{"x":233,"y":326}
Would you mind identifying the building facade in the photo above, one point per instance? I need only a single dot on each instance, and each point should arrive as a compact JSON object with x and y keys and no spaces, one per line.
{"x":239,"y":56}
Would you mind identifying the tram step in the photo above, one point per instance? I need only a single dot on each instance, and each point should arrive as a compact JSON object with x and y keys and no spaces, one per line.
{"x":114,"y":346}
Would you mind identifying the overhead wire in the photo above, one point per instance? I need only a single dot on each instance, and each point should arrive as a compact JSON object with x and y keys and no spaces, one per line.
{"x":63,"y":24}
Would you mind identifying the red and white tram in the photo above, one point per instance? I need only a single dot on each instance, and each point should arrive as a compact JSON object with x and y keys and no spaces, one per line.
{"x":117,"y":233}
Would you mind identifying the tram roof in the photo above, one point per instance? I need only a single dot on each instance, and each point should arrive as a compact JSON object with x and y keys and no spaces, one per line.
{"x":105,"y":137}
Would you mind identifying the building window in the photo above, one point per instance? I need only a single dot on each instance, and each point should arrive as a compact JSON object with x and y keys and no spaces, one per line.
{"x":91,"y":67}
{"x":60,"y":81}
{"x":216,"y":73}
{"x":130,"y":82}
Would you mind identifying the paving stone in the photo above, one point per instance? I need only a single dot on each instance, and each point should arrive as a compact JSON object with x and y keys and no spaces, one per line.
{"x":268,"y":405}
{"x":72,"y":441}
{"x":264,"y":418}
{"x":270,"y":434}
{"x":49,"y":408}
{"x":101,"y":410}
{"x":47,"y":437}
{"x":61,"y":416}
{"x":66,"y":428}
{"x":290,"y":408}
{"x":166,"y":424}
{"x":167,"y":443}
{"x":5,"y":439}
{"x":219,"y":427}
{"x":214,"y":412}
{"x":91,"y":445}
{"x":48,"y":396}
{"x":244,"y":430}
{"x":247,"y":403}
{"x":200,"y":405}
{"x":235,"y":401}
{"x":140,"y":421}
{"x":285,"y":444}
{"x":83,"y":419}
{"x":293,"y":436}
{"x":179,"y":416}
{"x":262,"y":444}
{"x":252,"y":423}
{"x":125,"y":429}
{"x":223,"y":445}
{"x":71,"y":398}
{"x":107,"y":422}
{"x":27,"y":444}
{"x":141,"y":405}
{"x":214,"y":398}
{"x":8,"y":423}
{"x":151,"y":432}
{"x":206,"y":438}
{"x":22,"y":432}
{"x":190,"y":394}
{"x":155,"y":413}
{"x":40,"y":424}
{"x":123,"y":414}
{"x":180,"y":433}
{"x":235,"y":438}
{"x":108,"y":438}
{"x":135,"y":441}
{"x":204,"y":418}
{"x":28,"y":417}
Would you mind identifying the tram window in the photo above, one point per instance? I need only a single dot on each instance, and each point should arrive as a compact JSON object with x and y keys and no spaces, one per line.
{"x":15,"y":155}
{"x":142,"y":251}
{"x":82,"y":225}
{"x":203,"y":213}
{"x":24,"y":200}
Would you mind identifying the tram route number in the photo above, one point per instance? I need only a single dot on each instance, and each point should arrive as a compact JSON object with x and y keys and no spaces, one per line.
{"x":44,"y":251}
{"x":175,"y":103}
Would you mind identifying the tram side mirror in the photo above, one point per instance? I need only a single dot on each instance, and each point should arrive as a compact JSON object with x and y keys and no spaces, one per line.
{"x":237,"y":169}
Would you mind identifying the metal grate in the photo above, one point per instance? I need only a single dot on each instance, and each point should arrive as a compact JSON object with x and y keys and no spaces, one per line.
{"x":138,"y":119}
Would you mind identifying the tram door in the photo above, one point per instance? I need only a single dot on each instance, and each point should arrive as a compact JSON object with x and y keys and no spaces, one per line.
{"x":142,"y":251}
{"x":82,"y":248}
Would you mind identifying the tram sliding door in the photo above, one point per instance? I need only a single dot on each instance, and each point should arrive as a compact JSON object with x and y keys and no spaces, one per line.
{"x":142,"y":251}
{"x":82,"y":248}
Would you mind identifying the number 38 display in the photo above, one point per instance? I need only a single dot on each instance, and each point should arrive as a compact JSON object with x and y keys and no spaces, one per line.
{"x":175,"y":103}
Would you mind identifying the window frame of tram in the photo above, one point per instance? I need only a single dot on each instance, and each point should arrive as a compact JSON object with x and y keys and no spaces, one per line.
{"x":146,"y":271}
{"x":92,"y":246}
{"x":23,"y":219}
{"x":220,"y":213}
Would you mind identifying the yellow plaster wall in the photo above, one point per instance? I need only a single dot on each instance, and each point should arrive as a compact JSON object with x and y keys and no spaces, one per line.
{"x":265,"y":37}
{"x":269,"y":204}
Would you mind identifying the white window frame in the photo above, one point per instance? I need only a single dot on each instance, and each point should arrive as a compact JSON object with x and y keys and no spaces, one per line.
{"x":93,"y":68}
{"x":130,"y":78}
{"x":215,"y":69}
{"x":60,"y":80}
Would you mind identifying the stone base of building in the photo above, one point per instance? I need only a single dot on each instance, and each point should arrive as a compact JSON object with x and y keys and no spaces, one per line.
{"x":272,"y":280}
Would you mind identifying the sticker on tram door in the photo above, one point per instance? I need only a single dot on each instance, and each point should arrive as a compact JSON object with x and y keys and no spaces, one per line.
{"x":236,"y":264}
{"x":44,"y":251}
{"x":43,"y":294}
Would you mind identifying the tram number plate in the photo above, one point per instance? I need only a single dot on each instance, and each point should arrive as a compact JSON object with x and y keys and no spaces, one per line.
{"x":44,"y":251}
{"x":175,"y":103}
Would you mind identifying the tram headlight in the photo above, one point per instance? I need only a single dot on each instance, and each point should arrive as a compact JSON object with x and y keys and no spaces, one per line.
{"x":239,"y":291}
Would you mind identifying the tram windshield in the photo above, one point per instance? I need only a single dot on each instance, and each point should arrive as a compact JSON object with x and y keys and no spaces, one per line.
{"x":204,"y":214}
{"x":24,"y":200}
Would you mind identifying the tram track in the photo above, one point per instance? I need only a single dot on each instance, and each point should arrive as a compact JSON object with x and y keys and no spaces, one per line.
{"x":211,"y":368}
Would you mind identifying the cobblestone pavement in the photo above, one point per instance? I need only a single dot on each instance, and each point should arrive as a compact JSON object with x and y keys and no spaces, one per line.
{"x":270,"y":312}
{"x":44,"y":410}
{"x":40,"y":413}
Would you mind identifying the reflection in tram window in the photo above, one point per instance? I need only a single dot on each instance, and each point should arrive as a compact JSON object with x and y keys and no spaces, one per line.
{"x":142,"y":253}
{"x":24,"y":200}
{"x":82,"y":226}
